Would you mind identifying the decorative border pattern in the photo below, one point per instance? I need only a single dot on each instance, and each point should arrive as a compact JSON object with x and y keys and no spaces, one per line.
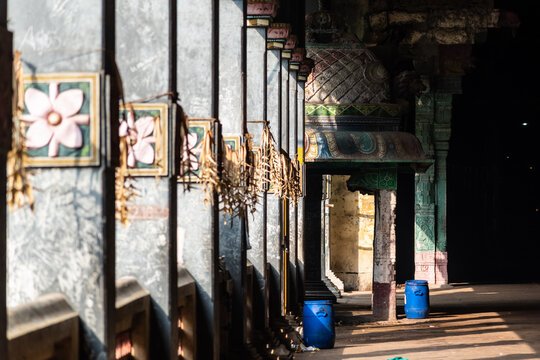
{"x":87,"y":118}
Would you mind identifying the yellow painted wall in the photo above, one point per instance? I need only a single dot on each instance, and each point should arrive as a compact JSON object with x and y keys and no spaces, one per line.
{"x":352,"y":223}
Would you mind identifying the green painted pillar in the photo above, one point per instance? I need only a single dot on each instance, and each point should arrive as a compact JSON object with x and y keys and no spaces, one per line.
{"x":433,"y":117}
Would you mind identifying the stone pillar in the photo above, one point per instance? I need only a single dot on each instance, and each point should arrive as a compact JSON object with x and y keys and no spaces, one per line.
{"x":285,"y":125}
{"x":312,"y":228}
{"x":441,"y":135}
{"x":274,"y":229}
{"x":146,"y":247}
{"x":300,"y":94}
{"x":256,"y":116}
{"x":293,"y":208}
{"x":198,"y":227}
{"x":232,"y":244}
{"x":67,"y":243}
{"x":384,"y":257}
{"x":433,"y":115}
{"x":6,"y":61}
{"x":325,"y":226}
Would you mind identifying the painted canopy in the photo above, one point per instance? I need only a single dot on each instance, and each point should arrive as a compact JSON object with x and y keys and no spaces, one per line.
{"x":328,"y":144}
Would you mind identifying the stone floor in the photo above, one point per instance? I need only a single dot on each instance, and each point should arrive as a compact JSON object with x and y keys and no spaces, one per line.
{"x":466,"y":322}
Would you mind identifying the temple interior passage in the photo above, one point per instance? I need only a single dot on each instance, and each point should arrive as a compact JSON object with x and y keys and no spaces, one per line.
{"x":269,"y":179}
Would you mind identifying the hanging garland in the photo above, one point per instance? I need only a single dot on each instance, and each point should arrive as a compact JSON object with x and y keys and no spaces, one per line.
{"x":275,"y":171}
{"x":209,"y":175}
{"x":125,"y":189}
{"x":242,"y":174}
{"x":238,"y":190}
{"x":19,"y":187}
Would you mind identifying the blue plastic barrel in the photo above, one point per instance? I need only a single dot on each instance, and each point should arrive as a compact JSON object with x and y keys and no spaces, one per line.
{"x":319,"y":328}
{"x":416,"y":299}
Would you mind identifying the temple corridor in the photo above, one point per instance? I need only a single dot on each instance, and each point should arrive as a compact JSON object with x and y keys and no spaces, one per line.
{"x":185,"y":179}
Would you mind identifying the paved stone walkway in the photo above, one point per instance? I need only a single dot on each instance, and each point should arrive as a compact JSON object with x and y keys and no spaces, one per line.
{"x":466,"y":322}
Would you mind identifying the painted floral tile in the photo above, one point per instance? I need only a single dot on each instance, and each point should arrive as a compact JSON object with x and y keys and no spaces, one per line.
{"x":232,"y":141}
{"x":147,"y":132}
{"x":197,"y":129}
{"x":61,"y":119}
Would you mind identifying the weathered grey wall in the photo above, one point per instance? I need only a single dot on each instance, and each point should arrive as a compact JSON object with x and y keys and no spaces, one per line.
{"x":196,"y":66}
{"x":60,"y":247}
{"x":301,"y":209}
{"x":145,"y":247}
{"x":352,"y":221}
{"x":273,"y":94}
{"x":6,"y":66}
{"x":293,"y":216}
{"x":274,"y":211}
{"x":232,"y":239}
{"x":285,"y":104}
{"x":68,"y":38}
{"x":67,"y":244}
{"x":143,"y":251}
{"x":256,"y":111}
{"x":197,"y":252}
{"x":198,"y":244}
{"x":142,"y":51}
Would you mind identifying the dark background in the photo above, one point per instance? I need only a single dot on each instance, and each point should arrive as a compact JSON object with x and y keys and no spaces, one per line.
{"x":493,"y":197}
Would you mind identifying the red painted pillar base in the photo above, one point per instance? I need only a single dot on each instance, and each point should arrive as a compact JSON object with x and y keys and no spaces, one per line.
{"x":383,"y":301}
{"x":431,"y":266}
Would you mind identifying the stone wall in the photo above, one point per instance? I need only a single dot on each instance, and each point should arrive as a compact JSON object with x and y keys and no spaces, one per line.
{"x":352,"y":221}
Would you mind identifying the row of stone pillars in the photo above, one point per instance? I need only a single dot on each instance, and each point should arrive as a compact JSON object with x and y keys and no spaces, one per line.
{"x":228,"y":67}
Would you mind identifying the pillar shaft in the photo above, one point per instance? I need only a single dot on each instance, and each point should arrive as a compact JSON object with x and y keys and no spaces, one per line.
{"x":293,"y":208}
{"x":6,"y":66}
{"x":384,"y":256}
{"x":67,"y":244}
{"x":274,"y":204}
{"x":433,"y":115}
{"x":256,"y":113}
{"x":152,"y":263}
{"x":198,"y":227}
{"x":285,"y":100}
{"x":300,"y":94}
{"x":232,"y":244}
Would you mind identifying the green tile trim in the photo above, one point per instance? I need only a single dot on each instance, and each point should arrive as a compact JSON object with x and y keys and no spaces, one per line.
{"x":376,"y":110}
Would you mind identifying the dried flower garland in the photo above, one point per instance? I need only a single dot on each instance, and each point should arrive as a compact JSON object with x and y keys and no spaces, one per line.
{"x":209,"y":175}
{"x":125,"y":189}
{"x":238,"y":189}
{"x":276,"y":172}
{"x":187,"y":156}
{"x":19,"y":187}
{"x":251,"y":197}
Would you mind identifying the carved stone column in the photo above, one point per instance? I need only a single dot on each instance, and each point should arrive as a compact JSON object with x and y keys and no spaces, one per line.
{"x":433,"y":115}
{"x":384,"y":256}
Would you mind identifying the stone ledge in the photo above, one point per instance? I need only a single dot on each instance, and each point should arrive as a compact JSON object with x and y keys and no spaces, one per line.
{"x":44,"y":328}
{"x":128,"y":290}
{"x":186,"y":283}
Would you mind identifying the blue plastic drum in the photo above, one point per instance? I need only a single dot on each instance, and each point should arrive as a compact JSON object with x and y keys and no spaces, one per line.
{"x":319,"y":330}
{"x":416,"y":299}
